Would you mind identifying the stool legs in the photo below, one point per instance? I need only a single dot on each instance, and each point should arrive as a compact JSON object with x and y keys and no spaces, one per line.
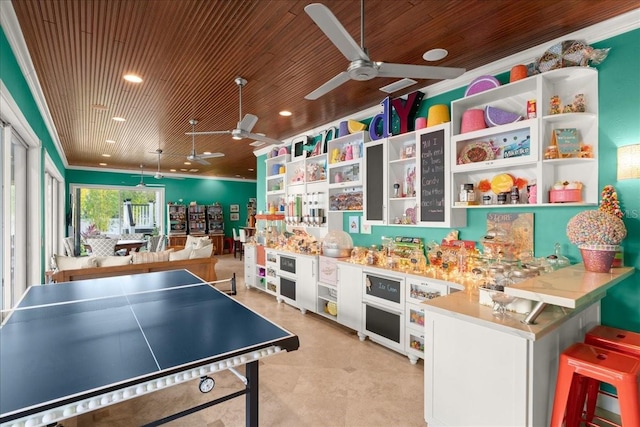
{"x":585,"y":366}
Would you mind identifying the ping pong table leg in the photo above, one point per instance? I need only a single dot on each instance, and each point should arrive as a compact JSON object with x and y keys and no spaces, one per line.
{"x":252,"y":394}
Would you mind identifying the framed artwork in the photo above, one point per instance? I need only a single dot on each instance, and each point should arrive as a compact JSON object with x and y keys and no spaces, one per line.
{"x":234,"y":217}
{"x":234,"y":208}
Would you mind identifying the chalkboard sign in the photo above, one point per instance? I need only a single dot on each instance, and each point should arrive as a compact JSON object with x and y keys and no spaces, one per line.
{"x":432,"y":173}
{"x":288,"y":264}
{"x":383,"y":323}
{"x":568,"y":142}
{"x":383,"y":288}
{"x":374,"y":157}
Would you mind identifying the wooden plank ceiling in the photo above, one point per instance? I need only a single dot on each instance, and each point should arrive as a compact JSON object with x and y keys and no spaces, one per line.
{"x":189,"y":51}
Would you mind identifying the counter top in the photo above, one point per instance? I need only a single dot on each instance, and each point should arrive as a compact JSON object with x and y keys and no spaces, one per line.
{"x":569,"y":287}
{"x":567,"y":291}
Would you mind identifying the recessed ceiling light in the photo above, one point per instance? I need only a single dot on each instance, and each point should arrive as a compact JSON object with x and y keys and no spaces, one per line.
{"x":206,"y":153}
{"x":285,"y":113}
{"x":251,"y":169}
{"x":435,"y":54}
{"x":110,"y":141}
{"x":238,"y":176}
{"x":119,"y":119}
{"x":132,"y":78}
{"x":237,"y":138}
{"x":184,"y":170}
{"x":102,"y":164}
{"x":106,"y":155}
{"x":187,"y":163}
{"x":172,"y":170}
{"x":193,"y":170}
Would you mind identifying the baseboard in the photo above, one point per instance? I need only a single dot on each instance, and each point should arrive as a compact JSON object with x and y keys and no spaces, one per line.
{"x":609,"y":404}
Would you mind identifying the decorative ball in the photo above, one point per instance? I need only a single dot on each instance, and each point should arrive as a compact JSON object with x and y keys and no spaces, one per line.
{"x":596,"y":227}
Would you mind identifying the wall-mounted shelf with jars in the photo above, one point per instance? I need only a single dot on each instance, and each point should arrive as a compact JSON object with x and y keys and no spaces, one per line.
{"x":555,"y":142}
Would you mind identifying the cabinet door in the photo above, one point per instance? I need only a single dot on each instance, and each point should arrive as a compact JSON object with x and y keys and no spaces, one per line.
{"x":375,"y":178}
{"x":434,"y":190}
{"x":306,"y":277}
{"x":350,"y":296}
{"x":249,"y":266}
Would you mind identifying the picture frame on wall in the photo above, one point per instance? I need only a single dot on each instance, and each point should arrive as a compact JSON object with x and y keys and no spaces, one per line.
{"x":234,"y":217}
{"x":234,"y":208}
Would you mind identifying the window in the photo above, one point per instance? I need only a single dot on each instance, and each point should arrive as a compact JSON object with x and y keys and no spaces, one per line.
{"x":116,"y":210}
{"x":54,"y":214}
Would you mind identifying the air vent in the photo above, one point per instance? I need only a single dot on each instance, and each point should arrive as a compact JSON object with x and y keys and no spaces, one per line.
{"x":396,"y":86}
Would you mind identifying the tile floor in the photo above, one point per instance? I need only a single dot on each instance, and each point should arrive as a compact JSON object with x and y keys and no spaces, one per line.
{"x":332,"y":380}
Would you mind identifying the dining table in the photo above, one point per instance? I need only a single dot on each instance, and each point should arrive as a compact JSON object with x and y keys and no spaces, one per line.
{"x":130,"y":245}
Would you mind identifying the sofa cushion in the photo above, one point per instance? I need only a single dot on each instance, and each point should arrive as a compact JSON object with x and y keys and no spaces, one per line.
{"x":180,"y":255}
{"x":143,"y":257}
{"x":197,"y":242}
{"x":203,"y":252}
{"x":111,"y":261}
{"x":74,"y":263}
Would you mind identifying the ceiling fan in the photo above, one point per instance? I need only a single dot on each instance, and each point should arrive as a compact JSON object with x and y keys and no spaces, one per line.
{"x":362,"y":68}
{"x":142,"y":184}
{"x":193,"y":156}
{"x":244,"y":126}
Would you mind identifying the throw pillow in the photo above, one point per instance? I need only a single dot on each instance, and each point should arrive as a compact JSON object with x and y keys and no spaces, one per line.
{"x":112,"y":261}
{"x":180,"y":255}
{"x":144,"y":257}
{"x":74,"y":263}
{"x":203,"y":243}
{"x":203,"y":252}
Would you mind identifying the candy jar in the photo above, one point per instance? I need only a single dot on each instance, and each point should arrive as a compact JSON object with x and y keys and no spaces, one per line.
{"x":557,"y":260}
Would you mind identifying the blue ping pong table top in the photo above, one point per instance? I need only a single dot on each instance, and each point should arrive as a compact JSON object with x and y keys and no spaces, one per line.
{"x":61,"y":353}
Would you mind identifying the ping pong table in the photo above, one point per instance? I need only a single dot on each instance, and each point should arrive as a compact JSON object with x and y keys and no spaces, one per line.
{"x":75,"y":347}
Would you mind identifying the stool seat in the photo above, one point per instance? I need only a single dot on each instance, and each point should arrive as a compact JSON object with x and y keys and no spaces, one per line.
{"x":626,"y":342}
{"x":602,"y":365}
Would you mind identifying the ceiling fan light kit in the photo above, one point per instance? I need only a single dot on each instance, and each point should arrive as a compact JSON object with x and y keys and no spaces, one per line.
{"x":361,"y":67}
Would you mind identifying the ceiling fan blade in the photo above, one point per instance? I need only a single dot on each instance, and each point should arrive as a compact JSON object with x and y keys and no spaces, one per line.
{"x":333,"y":29}
{"x":248,"y":122}
{"x":341,"y":78}
{"x":213,"y":132}
{"x":418,"y":71}
{"x":211,"y":156}
{"x":202,"y":161}
{"x":262,"y":138}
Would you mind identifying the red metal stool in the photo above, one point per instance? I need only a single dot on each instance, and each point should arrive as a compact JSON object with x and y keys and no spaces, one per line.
{"x":602,"y":365}
{"x":228,"y":244}
{"x":615,"y":339}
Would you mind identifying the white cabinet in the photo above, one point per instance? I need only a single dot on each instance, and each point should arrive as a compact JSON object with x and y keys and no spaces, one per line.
{"x":345,"y":174}
{"x":250,"y":266}
{"x":271,"y":272}
{"x":275,"y":181}
{"x":520,"y":149}
{"x":418,"y":290}
{"x":482,"y":374}
{"x":340,"y":292}
{"x":306,"y":277}
{"x":407,"y":180}
{"x":350,"y":295}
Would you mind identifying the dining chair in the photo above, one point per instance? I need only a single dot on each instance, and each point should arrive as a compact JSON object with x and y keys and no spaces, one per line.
{"x":102,"y":247}
{"x":242,"y":239}
{"x":156,"y":243}
{"x":236,"y":242}
{"x":69,"y":244}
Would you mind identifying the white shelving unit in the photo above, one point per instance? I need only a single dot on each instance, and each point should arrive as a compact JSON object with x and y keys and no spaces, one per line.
{"x":276,"y":180}
{"x":520,"y":147}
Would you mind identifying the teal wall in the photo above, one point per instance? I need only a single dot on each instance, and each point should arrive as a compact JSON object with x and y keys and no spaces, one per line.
{"x":202,"y":191}
{"x":619,"y":124}
{"x":12,"y":77}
